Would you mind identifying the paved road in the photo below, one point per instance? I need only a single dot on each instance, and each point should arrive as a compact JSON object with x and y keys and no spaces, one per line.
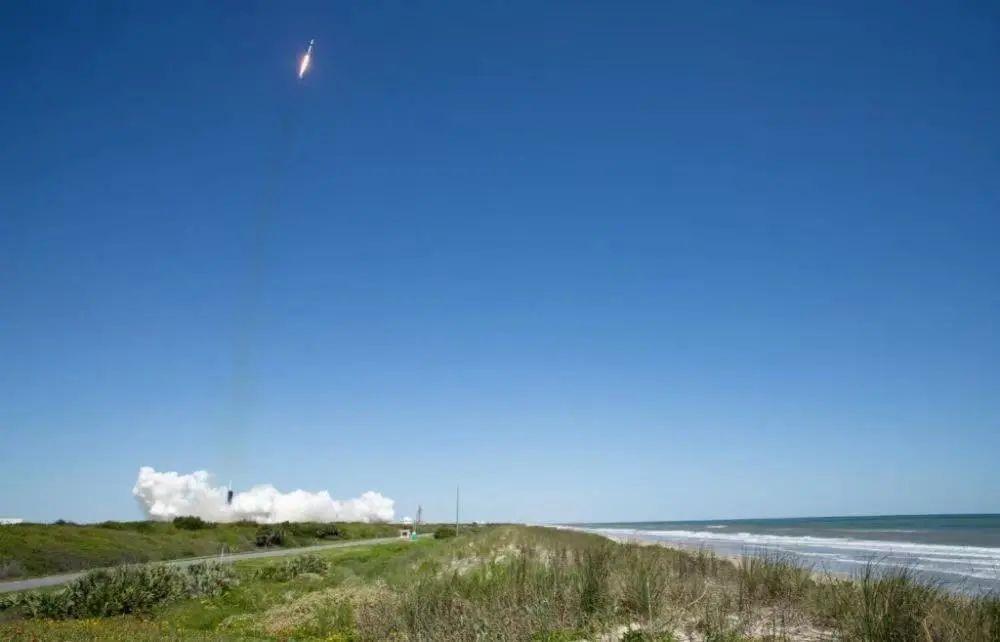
{"x":55,"y":580}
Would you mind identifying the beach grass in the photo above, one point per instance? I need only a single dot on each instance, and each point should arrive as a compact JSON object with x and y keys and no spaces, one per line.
{"x":526,"y":583}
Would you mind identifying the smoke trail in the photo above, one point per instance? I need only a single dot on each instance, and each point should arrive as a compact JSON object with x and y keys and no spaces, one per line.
{"x":167,"y":495}
{"x":232,"y":432}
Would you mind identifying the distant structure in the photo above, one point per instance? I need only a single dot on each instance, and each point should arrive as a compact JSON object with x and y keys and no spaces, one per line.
{"x":10,"y":521}
{"x":409,"y":526}
{"x":229,"y":495}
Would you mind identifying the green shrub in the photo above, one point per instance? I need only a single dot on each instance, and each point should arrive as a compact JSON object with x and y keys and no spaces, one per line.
{"x":10,"y":567}
{"x":191,"y":523}
{"x":358,"y":530}
{"x":270,"y":536}
{"x":318,"y":530}
{"x":208,"y":579}
{"x":327,"y":531}
{"x":123,"y":590}
{"x":292,"y":568}
{"x":141,"y":527}
{"x":444,"y":532}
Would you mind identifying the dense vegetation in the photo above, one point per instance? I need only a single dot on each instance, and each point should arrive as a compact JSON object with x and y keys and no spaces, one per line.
{"x":122,"y":590}
{"x":28,"y":550}
{"x":191,"y":523}
{"x":517,"y":583}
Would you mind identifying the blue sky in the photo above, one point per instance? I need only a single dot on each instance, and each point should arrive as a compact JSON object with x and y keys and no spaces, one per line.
{"x":593,"y":261}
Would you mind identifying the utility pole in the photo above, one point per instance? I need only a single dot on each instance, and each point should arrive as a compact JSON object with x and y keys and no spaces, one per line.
{"x":456,"y":509}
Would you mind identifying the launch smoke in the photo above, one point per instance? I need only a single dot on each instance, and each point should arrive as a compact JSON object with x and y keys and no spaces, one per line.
{"x":166,"y":495}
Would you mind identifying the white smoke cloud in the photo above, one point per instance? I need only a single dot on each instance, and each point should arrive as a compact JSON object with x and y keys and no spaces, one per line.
{"x":167,"y":495}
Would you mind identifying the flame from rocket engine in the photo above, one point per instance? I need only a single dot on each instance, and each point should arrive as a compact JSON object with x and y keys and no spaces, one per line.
{"x":304,"y":65}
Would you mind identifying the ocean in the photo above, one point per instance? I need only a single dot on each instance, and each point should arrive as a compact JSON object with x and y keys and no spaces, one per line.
{"x":960,"y":552}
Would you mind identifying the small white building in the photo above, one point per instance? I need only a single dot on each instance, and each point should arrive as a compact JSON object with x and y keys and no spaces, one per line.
{"x":10,"y":521}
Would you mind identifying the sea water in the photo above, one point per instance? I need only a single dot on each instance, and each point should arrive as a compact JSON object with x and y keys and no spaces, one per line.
{"x":959,"y":552}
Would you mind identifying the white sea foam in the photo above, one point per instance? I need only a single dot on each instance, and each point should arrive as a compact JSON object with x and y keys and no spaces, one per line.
{"x":966,"y":568}
{"x":914,"y":549}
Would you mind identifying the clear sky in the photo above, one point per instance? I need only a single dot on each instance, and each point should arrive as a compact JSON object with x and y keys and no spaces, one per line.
{"x":593,"y":261}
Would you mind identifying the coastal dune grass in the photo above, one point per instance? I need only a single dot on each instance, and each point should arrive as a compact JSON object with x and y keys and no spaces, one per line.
{"x":767,"y":576}
{"x":539,"y":584}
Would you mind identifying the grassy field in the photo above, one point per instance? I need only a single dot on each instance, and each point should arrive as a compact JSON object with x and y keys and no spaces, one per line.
{"x":508,"y":583}
{"x":29,"y":550}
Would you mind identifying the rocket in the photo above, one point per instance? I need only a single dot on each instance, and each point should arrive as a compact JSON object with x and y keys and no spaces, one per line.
{"x":304,"y":65}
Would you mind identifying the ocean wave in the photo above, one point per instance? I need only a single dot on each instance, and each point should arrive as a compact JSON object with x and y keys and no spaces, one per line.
{"x":950,"y":552}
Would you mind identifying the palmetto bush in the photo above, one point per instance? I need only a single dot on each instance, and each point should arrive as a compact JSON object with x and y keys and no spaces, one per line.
{"x":292,"y":568}
{"x":126,"y":589}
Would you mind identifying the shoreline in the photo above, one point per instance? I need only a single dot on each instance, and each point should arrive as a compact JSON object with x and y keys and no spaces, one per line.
{"x":974,"y":582}
{"x":627,"y":539}
{"x":733,"y":558}
{"x":516,"y":582}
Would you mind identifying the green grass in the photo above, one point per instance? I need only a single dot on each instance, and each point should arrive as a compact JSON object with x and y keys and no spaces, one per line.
{"x":30,"y":550}
{"x":520,"y":583}
{"x":768,"y":576}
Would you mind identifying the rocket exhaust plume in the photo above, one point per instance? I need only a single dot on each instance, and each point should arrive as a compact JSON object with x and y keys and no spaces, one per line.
{"x":304,"y":65}
{"x":166,"y":495}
